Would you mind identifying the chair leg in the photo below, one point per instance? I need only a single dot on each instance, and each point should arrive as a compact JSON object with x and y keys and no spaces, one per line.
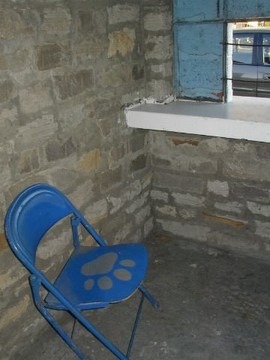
{"x":134,"y":329}
{"x":149,"y":297}
{"x":51,"y":320}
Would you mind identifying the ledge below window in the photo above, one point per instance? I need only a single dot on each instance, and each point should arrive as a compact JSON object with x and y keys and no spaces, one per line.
{"x":243,"y":118}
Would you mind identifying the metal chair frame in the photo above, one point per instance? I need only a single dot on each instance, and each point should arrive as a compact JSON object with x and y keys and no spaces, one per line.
{"x":24,"y":213}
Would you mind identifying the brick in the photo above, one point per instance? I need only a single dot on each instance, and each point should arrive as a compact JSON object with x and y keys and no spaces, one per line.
{"x":121,"y":42}
{"x":49,"y":56}
{"x":90,"y":161}
{"x":218,"y":187}
{"x":123,"y":13}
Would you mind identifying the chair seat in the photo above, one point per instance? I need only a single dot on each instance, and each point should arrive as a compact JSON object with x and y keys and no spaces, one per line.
{"x":94,"y":277}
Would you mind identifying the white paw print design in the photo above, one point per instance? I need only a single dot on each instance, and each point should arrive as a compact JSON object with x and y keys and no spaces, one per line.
{"x":102,"y":266}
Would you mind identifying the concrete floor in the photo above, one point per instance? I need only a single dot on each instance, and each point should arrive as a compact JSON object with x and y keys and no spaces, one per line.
{"x":214,"y":305}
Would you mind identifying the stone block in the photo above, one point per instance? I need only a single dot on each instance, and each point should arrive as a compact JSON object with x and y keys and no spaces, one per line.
{"x":14,"y":313}
{"x":262,"y":229}
{"x":82,"y":194}
{"x":70,"y":85}
{"x":159,"y":195}
{"x":110,"y":178}
{"x":122,"y":234}
{"x":231,"y":207}
{"x":142,"y":215}
{"x":35,"y":98}
{"x":158,"y":48}
{"x":122,"y":13}
{"x":89,"y":161}
{"x":56,"y":21}
{"x":187,"y":231}
{"x":97,"y":211}
{"x":138,"y":72}
{"x":139,"y":163}
{"x":37,"y":132}
{"x":167,"y":210}
{"x":7,"y":90}
{"x":12,"y":24}
{"x":86,"y":22}
{"x":247,"y":168}
{"x":255,"y":193}
{"x":122,"y":42}
{"x":3,"y":242}
{"x":49,"y":56}
{"x":233,"y":241}
{"x":138,"y":203}
{"x":115,"y":76}
{"x":190,"y":184}
{"x":137,"y":142}
{"x":158,"y":20}
{"x":28,"y":161}
{"x":225,"y":220}
{"x":56,"y":150}
{"x":148,"y":227}
{"x":188,"y":199}
{"x":161,"y":71}
{"x":218,"y":187}
{"x":258,"y":209}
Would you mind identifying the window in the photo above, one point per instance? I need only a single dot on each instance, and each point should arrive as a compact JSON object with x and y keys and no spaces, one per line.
{"x":243,"y":48}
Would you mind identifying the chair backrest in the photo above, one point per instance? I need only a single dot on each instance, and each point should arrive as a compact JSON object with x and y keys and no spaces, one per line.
{"x":32,"y":213}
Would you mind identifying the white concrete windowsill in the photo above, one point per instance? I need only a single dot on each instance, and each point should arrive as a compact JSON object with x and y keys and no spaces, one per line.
{"x":243,"y":118}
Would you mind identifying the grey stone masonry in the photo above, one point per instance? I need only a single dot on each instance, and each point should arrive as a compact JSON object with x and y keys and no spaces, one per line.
{"x":212,"y":190}
{"x":67,"y":69}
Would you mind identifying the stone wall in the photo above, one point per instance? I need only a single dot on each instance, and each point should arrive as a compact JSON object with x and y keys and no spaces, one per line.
{"x":66,"y":70}
{"x":212,"y":190}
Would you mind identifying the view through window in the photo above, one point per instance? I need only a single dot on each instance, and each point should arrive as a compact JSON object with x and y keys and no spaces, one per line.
{"x":249,"y":46}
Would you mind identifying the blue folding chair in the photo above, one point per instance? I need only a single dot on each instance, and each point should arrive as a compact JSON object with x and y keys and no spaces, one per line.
{"x":92,"y":278}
